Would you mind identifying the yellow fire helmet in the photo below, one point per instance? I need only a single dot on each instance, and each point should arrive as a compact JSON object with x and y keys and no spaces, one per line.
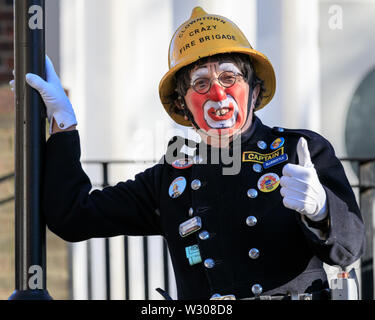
{"x":205,"y":35}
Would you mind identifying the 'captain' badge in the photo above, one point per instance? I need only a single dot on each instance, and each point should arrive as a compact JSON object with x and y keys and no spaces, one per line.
{"x":177,"y":187}
{"x":268,"y":182}
{"x":182,"y":163}
{"x":278,"y":143}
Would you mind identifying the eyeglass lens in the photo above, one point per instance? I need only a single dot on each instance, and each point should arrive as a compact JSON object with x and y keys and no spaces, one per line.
{"x":226,"y":79}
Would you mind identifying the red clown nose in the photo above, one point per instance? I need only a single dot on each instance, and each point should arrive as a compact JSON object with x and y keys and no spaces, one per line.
{"x":217,"y":93}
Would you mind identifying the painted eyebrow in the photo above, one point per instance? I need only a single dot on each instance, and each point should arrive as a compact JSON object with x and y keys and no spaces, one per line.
{"x":201,"y":71}
{"x":229,"y":66}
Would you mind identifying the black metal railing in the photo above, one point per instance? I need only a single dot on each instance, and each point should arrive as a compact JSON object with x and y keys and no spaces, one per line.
{"x":365,"y":171}
{"x":364,"y":168}
{"x":105,"y":182}
{"x":5,"y":179}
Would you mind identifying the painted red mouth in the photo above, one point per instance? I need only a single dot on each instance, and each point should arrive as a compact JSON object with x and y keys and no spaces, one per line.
{"x":222,"y":113}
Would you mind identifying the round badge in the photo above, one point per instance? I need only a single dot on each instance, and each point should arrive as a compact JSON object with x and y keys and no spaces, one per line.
{"x":257,"y":167}
{"x":262,"y":145}
{"x":278,"y":143}
{"x":182,"y":163}
{"x":268,"y":182}
{"x":177,"y":187}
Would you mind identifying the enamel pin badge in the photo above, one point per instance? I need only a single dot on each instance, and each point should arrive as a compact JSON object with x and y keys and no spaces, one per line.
{"x":190,"y":226}
{"x":193,"y":254}
{"x":182,"y":163}
{"x":278,"y":143}
{"x":268,"y":182}
{"x":177,"y":187}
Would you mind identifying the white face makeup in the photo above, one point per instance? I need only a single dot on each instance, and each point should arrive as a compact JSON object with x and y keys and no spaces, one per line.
{"x":228,"y":66}
{"x":204,"y":72}
{"x":199,"y":73}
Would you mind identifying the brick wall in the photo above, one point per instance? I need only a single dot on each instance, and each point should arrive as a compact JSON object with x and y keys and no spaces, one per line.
{"x":6,"y":150}
{"x":6,"y":40}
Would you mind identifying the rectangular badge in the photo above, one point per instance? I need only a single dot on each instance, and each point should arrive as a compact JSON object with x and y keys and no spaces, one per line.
{"x":275,"y":161}
{"x":252,"y":156}
{"x":193,"y":254}
{"x":226,"y":297}
{"x":190,"y":226}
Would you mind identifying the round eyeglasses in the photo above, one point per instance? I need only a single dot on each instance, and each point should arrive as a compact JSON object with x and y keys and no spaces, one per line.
{"x":226,"y":79}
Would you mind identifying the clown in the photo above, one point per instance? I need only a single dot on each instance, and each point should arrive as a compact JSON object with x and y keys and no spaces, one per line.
{"x":216,"y":84}
{"x":262,"y":233}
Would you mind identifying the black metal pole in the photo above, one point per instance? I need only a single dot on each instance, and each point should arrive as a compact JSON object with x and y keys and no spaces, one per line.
{"x":30,"y":230}
{"x":126,"y":262}
{"x":166,"y":266}
{"x":145,"y":267}
{"x":107,"y":246}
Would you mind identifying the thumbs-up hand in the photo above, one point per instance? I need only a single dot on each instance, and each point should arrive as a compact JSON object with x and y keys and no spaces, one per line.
{"x":301,"y":188}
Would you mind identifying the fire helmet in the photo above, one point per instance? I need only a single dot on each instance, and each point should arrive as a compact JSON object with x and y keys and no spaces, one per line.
{"x":205,"y":35}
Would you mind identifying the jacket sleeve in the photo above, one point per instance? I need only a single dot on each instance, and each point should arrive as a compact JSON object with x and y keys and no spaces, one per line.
{"x":75,"y":213}
{"x":344,"y":228}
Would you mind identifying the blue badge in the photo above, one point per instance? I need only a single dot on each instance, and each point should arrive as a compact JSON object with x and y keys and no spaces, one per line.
{"x":275,"y":161}
{"x":278,"y":143}
{"x":177,"y":187}
{"x":193,"y":254}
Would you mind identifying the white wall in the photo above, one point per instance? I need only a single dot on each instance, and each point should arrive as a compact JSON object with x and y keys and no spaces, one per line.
{"x":288,"y":36}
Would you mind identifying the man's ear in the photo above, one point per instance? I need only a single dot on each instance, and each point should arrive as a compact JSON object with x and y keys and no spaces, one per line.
{"x":180,"y":104}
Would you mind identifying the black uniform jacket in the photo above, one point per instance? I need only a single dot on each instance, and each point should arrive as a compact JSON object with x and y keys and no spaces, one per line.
{"x":288,"y":255}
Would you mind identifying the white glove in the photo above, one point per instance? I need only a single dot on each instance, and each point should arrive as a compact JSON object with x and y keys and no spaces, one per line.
{"x":12,"y":83}
{"x":57,"y":103}
{"x":301,"y":188}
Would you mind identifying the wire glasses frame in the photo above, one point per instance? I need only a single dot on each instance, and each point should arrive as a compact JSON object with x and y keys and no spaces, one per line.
{"x":226,"y":79}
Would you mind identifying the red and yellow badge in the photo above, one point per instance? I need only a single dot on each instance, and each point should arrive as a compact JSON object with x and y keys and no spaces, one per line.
{"x":278,"y":143}
{"x":268,"y":182}
{"x":182,"y":163}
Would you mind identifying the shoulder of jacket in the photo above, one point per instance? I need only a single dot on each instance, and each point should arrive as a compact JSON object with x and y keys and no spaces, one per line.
{"x":307,"y":134}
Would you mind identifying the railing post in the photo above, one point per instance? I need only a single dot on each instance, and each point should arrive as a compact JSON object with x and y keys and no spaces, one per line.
{"x":166,"y":266}
{"x":126,"y":266}
{"x":107,"y":247}
{"x":367,"y":204}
